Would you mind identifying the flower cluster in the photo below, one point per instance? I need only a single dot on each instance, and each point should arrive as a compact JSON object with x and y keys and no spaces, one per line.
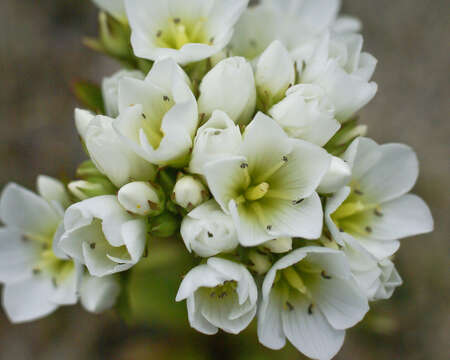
{"x":231,"y":131}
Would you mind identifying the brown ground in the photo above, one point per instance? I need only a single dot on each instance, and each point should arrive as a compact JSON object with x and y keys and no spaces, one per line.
{"x":40,"y":54}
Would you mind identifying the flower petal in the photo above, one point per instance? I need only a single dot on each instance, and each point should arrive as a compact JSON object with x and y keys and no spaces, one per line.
{"x":99,"y":294}
{"x":270,"y":330}
{"x":52,"y":190}
{"x":309,"y":331}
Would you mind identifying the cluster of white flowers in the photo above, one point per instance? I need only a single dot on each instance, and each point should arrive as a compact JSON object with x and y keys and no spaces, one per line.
{"x":241,"y":141}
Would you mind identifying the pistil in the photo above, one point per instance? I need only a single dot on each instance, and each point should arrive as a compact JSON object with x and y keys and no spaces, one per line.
{"x":257,"y":192}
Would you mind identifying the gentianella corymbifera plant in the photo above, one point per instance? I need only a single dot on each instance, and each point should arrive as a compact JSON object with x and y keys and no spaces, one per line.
{"x":231,"y":134}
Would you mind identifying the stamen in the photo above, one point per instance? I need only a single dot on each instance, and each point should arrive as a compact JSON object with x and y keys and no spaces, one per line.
{"x":143,"y":115}
{"x":296,"y":202}
{"x":257,"y":192}
{"x":159,"y":33}
{"x":92,"y":246}
{"x":210,"y":235}
{"x":325,"y":276}
{"x":289,"y":305}
{"x":378,"y":213}
{"x":358,"y":192}
{"x":272,"y":170}
{"x":310,"y":309}
{"x":36,"y":271}
{"x":294,"y":279}
{"x":269,"y":227}
{"x":166,"y":98}
{"x":368,"y":229}
{"x":244,"y":166}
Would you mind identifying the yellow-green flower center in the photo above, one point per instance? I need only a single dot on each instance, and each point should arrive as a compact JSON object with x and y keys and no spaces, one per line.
{"x":221,"y":291}
{"x":179,"y":32}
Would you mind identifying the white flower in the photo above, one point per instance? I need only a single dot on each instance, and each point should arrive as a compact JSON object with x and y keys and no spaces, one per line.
{"x":218,"y":138}
{"x":279,"y":246}
{"x":377,"y":279}
{"x":82,"y":120}
{"x":142,"y":198}
{"x":208,"y":231}
{"x":310,"y":298}
{"x":102,"y":235}
{"x":158,"y":116}
{"x":275,"y":73}
{"x":189,"y":192}
{"x":186,"y":31}
{"x":337,"y":176}
{"x":99,"y":294}
{"x":338,"y":66}
{"x":269,"y":190}
{"x":376,"y":209}
{"x":111,"y":157}
{"x":110,"y":89}
{"x":229,"y":86}
{"x":293,"y":22}
{"x":306,"y":114}
{"x":37,"y":277}
{"x":114,"y":7}
{"x":220,"y":295}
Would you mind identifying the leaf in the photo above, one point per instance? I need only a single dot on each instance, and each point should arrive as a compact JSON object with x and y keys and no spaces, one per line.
{"x":89,"y":95}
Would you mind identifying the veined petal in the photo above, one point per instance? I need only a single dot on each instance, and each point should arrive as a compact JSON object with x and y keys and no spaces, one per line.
{"x":340,"y":301}
{"x":197,"y":320}
{"x":284,"y":218}
{"x":22,"y":209}
{"x":29,"y":299}
{"x":200,"y":276}
{"x":264,"y":145}
{"x":393,"y":175}
{"x":378,"y":248}
{"x":226,"y":178}
{"x":270,"y":329}
{"x":311,"y":334}
{"x":18,"y":256}
{"x":306,"y":165}
{"x":362,"y":154}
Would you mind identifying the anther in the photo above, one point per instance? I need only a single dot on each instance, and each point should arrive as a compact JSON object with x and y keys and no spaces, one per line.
{"x":210,"y":235}
{"x":176,"y":20}
{"x":310,"y":309}
{"x":55,"y":284}
{"x":325,"y":275}
{"x":153,"y":205}
{"x":244,"y":166}
{"x":285,"y":158}
{"x":92,"y":246}
{"x":222,"y":295}
{"x":289,"y":305}
{"x":159,"y":33}
{"x":269,"y":227}
{"x":378,"y":213}
{"x":211,"y":40}
{"x":36,"y":271}
{"x":369,"y":229}
{"x":145,"y":255}
{"x":166,"y":98}
{"x":296,"y":202}
{"x":358,"y":192}
{"x":143,"y":115}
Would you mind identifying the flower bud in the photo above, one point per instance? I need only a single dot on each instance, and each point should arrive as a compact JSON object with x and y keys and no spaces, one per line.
{"x":275,"y":73}
{"x":230,"y":87}
{"x":337,"y":176}
{"x":189,"y":192}
{"x":83,"y":190}
{"x":259,"y":263}
{"x":142,"y":198}
{"x":279,"y":246}
{"x":346,"y":134}
{"x":110,"y":89}
{"x":82,"y":120}
{"x":88,"y":170}
{"x":114,"y":36}
{"x":164,"y":225}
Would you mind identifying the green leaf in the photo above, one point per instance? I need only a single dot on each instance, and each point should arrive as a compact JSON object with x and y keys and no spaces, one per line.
{"x":89,"y":95}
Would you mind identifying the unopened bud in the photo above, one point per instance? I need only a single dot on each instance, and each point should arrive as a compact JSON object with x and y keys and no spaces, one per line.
{"x":114,"y":36}
{"x":83,"y":190}
{"x":88,"y":170}
{"x":189,"y":192}
{"x":279,"y":246}
{"x":164,"y":225}
{"x":142,"y":198}
{"x":260,"y":263}
{"x":346,"y":134}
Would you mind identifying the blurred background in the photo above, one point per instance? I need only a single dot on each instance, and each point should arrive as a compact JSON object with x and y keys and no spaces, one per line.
{"x":41,"y":55}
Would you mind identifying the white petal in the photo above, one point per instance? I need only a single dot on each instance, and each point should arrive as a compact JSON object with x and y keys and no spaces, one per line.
{"x":225,"y":179}
{"x":362,"y":155}
{"x":17,"y":256}
{"x":200,"y":276}
{"x":66,"y":292}
{"x":275,"y":71}
{"x":230,"y":87}
{"x":197,"y":320}
{"x":378,"y":248}
{"x":115,"y":7}
{"x":340,"y":301}
{"x":270,"y":330}
{"x":22,"y":209}
{"x":311,"y":334}
{"x":405,"y":216}
{"x":306,"y":166}
{"x":28,"y":300}
{"x":99,"y":294}
{"x":100,"y":264}
{"x":52,"y":190}
{"x":293,"y":220}
{"x":337,"y":176}
{"x":82,"y":120}
{"x":135,"y":237}
{"x":393,"y":175}
{"x":264,"y":146}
